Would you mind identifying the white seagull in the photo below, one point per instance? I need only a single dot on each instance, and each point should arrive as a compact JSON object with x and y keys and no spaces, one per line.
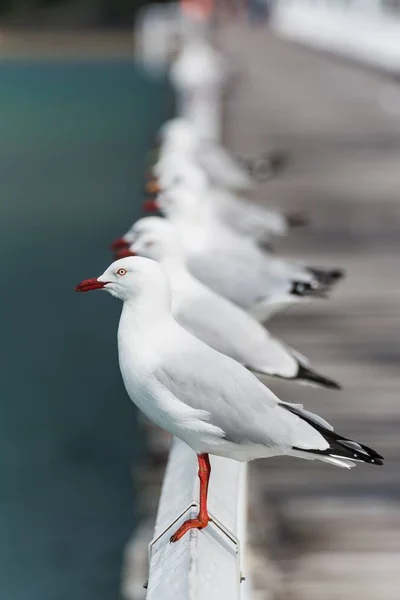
{"x":232,"y":264}
{"x":254,"y":288}
{"x":180,"y":138}
{"x":190,"y":211}
{"x":254,"y":220}
{"x":217,"y":321}
{"x":201,"y":396}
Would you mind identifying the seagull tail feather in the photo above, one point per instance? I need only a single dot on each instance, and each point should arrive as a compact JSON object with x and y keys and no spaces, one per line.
{"x":307,"y":375}
{"x":266,"y":165}
{"x":340,"y":448}
{"x":303,"y":375}
{"x":327,"y":277}
{"x":305,"y":289}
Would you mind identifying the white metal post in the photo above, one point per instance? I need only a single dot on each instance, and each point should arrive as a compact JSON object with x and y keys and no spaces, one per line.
{"x":203,"y":565}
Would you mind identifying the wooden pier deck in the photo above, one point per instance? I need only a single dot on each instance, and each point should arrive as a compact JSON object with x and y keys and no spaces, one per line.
{"x":318,"y":532}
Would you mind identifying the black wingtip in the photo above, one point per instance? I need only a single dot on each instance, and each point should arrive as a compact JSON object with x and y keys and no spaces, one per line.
{"x":267,"y":246}
{"x":306,"y":374}
{"x":303,"y":374}
{"x":338,"y":450}
{"x":305,"y":289}
{"x":278,"y":159}
{"x":327,"y":277}
{"x":338,"y":274}
{"x":339,"y":447}
{"x":367,"y":455}
{"x":297,"y":220}
{"x":267,"y":165}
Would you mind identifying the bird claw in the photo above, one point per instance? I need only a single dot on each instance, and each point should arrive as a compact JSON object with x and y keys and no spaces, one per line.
{"x":186,"y":526}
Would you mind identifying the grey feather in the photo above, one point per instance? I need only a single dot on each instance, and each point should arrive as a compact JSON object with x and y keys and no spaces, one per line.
{"x":239,"y":404}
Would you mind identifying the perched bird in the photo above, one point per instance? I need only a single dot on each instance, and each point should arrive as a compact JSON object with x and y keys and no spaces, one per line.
{"x":200,"y":72}
{"x":254,"y":220}
{"x":201,"y":396}
{"x":180,"y":138}
{"x":231,"y":264}
{"x":189,"y":209}
{"x":217,"y":321}
{"x":259,"y":291}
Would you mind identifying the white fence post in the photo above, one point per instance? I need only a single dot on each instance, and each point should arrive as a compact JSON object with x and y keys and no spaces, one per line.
{"x":207,"y":564}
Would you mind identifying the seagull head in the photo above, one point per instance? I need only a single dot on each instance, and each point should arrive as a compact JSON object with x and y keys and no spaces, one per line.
{"x":125,"y":278}
{"x":153,"y":225}
{"x":180,"y":174}
{"x":181,"y":202}
{"x":158,"y":243}
{"x":137,"y":228}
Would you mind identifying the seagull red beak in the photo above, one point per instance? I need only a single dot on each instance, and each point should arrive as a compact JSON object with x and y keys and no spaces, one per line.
{"x":151,"y":205}
{"x":124,"y":253}
{"x":118,"y":244}
{"x":90,"y":284}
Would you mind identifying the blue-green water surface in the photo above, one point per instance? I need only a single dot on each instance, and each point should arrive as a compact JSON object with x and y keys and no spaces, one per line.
{"x":73,"y":139}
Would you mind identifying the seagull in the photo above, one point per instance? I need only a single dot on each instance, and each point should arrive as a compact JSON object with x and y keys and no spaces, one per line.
{"x":254,"y":288}
{"x":193,"y":212}
{"x":249,"y":218}
{"x":233,"y":265}
{"x":180,"y":137}
{"x":217,"y":321}
{"x":209,"y":401}
{"x":188,"y":207}
{"x":200,"y":73}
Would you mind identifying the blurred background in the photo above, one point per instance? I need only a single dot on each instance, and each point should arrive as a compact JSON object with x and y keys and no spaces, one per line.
{"x":77,"y":119}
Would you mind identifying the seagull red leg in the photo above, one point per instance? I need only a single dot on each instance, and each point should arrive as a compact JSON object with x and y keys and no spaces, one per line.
{"x":203,"y":517}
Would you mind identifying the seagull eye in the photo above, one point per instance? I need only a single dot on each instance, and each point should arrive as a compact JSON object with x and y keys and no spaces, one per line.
{"x":121,"y":272}
{"x":149,"y":244}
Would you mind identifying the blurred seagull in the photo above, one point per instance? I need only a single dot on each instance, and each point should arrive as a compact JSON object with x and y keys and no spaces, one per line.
{"x":231,"y":264}
{"x":248,"y":218}
{"x":199,"y":71}
{"x":193,"y":212}
{"x":201,"y":396}
{"x":217,"y":321}
{"x":180,"y":137}
{"x":254,"y":287}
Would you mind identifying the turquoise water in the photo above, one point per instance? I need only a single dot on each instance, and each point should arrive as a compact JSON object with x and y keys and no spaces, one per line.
{"x":72,"y":157}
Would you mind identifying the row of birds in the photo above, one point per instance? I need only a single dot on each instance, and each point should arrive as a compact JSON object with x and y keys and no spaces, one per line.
{"x":209,"y":245}
{"x":197,"y":286}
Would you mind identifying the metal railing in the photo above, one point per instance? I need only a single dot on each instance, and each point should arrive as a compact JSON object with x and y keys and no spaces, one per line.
{"x":206,"y":564}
